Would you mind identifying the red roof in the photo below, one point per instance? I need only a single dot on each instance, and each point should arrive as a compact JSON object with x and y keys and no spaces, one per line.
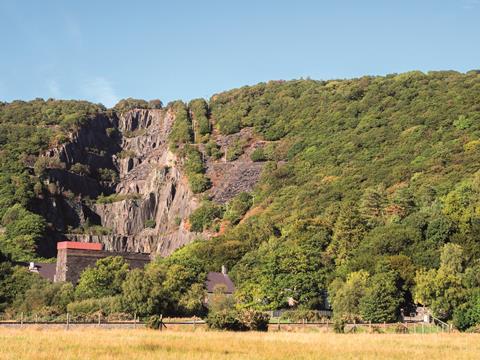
{"x":79,"y":245}
{"x":215,"y":279}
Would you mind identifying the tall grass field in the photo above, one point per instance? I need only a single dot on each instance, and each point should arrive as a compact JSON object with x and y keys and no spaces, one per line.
{"x":149,"y":344}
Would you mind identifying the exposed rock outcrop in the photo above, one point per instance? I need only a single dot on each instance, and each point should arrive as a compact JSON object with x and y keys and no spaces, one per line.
{"x":151,"y":202}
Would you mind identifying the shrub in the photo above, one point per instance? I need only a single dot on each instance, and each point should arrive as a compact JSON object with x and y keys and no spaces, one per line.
{"x":203,"y":217}
{"x":103,"y":280}
{"x":155,"y":104}
{"x":80,"y":169}
{"x":111,"y":132}
{"x":213,"y":149}
{"x":238,"y":320}
{"x":126,"y":154}
{"x":339,"y":325}
{"x":199,"y":183}
{"x":154,"y":322}
{"x":116,"y":198}
{"x":302,"y":314}
{"x":108,"y":175}
{"x":181,"y":132}
{"x":105,"y":306}
{"x":258,"y":155}
{"x":130,"y":104}
{"x":225,"y":320}
{"x":255,"y":320}
{"x":235,"y":150}
{"x":238,"y":207}
{"x":199,"y":111}
{"x":195,"y":170}
{"x":150,"y":223}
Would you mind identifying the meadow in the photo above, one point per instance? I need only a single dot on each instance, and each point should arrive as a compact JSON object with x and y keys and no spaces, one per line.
{"x":200,"y":344}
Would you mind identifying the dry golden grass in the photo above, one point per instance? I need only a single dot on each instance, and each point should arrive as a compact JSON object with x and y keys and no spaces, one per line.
{"x":149,"y":344}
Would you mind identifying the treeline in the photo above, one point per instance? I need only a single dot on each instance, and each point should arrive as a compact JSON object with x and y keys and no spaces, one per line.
{"x":368,"y":182}
{"x":370,"y":190}
{"x":110,"y":289}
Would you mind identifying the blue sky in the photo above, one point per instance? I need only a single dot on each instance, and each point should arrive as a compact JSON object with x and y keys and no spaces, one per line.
{"x":103,"y":51}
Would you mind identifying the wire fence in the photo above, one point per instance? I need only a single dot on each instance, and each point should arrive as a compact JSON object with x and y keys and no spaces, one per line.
{"x":192,"y":324}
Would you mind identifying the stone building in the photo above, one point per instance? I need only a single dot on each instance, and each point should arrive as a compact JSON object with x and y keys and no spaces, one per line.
{"x":74,"y":257}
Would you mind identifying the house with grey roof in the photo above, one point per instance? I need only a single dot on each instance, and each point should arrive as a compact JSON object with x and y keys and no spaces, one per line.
{"x":218,"y":280}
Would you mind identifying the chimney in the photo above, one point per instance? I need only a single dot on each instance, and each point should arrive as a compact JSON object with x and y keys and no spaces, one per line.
{"x":224,"y":270}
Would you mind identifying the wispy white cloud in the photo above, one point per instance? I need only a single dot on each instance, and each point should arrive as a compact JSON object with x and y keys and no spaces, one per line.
{"x":54,"y":88}
{"x":100,"y":90}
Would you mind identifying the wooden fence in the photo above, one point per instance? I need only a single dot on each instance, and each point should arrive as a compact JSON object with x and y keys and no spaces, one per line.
{"x":192,"y":324}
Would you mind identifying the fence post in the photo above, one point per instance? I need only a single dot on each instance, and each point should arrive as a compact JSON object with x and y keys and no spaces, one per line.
{"x":194,"y":323}
{"x":99,"y":319}
{"x":161,"y":322}
{"x":278,"y":323}
{"x":36,"y":318}
{"x":135,"y":320}
{"x":21,"y":320}
{"x":68,"y":321}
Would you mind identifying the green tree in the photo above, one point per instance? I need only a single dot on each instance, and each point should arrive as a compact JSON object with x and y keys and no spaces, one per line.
{"x":348,"y":231}
{"x":238,"y":207}
{"x":102,"y":280}
{"x":136,"y":293}
{"x":372,"y":206}
{"x":23,"y":231}
{"x":442,"y":290}
{"x":382,"y":298}
{"x":346,"y":296}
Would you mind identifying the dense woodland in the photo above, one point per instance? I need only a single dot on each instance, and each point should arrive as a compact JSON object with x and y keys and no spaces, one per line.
{"x":370,"y":190}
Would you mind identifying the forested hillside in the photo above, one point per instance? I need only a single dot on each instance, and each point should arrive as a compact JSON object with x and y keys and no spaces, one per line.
{"x":369,"y":189}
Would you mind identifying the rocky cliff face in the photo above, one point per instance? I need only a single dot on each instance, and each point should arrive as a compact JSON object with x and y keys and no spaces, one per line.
{"x":151,"y":201}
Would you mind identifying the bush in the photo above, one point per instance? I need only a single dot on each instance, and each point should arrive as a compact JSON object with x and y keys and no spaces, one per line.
{"x":126,"y":154}
{"x":203,"y":217}
{"x":130,"y":104}
{"x":467,"y":315}
{"x":116,"y":198}
{"x":181,"y":132}
{"x":235,"y":150}
{"x":80,"y":169}
{"x":154,"y":322}
{"x":150,"y":223}
{"x":213,"y":149}
{"x":225,"y":320}
{"x":235,"y":320}
{"x":238,"y":207}
{"x":108,"y":175}
{"x":258,"y":155}
{"x":199,"y":183}
{"x":105,"y":306}
{"x":302,"y":314}
{"x":255,"y":320}
{"x":199,"y":110}
{"x":339,"y":325}
{"x":195,"y":170}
